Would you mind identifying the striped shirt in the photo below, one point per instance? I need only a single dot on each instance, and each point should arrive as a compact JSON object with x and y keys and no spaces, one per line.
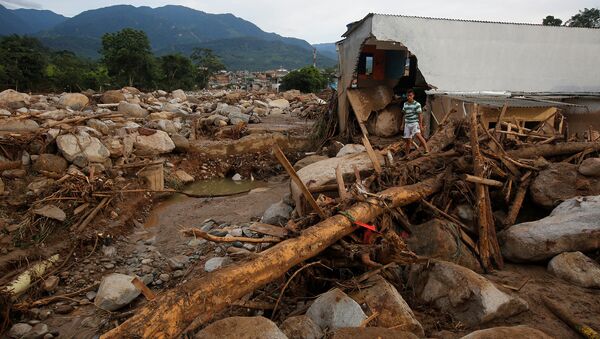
{"x":412,"y":111}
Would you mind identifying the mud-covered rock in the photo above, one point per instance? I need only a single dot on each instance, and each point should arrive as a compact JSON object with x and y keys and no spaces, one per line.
{"x":383,"y":298}
{"x":572,"y":226}
{"x":157,"y":143}
{"x":51,"y":163}
{"x":132,"y":110}
{"x":590,"y":167}
{"x":243,"y":328}
{"x":21,"y":125}
{"x":468,"y":296}
{"x":74,"y":101}
{"x":350,"y":149}
{"x":179,"y":95}
{"x":115,"y":291}
{"x":301,"y":327}
{"x":577,"y":268}
{"x":504,"y":332}
{"x":277,"y":214}
{"x":559,"y":182}
{"x":334,"y":310}
{"x":182,"y":144}
{"x":112,"y":97}
{"x":385,"y":123}
{"x":371,"y":332}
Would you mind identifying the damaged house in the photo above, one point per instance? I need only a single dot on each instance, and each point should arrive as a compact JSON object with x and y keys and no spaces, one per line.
{"x":517,"y":75}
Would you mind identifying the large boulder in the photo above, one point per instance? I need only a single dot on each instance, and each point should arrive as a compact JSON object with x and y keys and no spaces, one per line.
{"x":279,"y":103}
{"x":466,"y":295}
{"x":323,"y":172}
{"x":559,"y":182}
{"x":277,"y":214}
{"x":576,"y":268}
{"x":182,"y":144}
{"x":82,"y":145}
{"x":13,"y":99}
{"x":238,"y":118}
{"x":371,"y":333}
{"x":440,"y":239}
{"x":520,"y":331}
{"x":334,"y":310}
{"x":50,"y":163}
{"x":156,"y":143}
{"x":132,"y":110}
{"x":115,"y":291}
{"x":179,"y":95}
{"x":74,"y":101}
{"x":242,"y":328}
{"x":311,"y":159}
{"x":572,"y":226}
{"x":385,"y":123}
{"x":590,"y":167}
{"x":23,"y":125}
{"x":112,"y":97}
{"x":350,"y":149}
{"x":301,"y":327}
{"x":382,"y":297}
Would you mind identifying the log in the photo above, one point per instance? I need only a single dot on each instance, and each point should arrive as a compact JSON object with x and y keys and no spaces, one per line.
{"x":482,"y":181}
{"x":200,"y":298}
{"x":513,"y":212}
{"x":576,"y":325}
{"x":545,"y":151}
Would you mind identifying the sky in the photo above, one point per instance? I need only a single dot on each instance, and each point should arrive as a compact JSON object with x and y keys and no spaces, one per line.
{"x":320,"y":21}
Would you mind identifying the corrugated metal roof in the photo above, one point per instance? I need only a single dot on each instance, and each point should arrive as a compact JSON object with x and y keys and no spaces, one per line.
{"x":498,"y":102}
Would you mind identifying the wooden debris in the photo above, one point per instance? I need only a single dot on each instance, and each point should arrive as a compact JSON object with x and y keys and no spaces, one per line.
{"x":143,"y":288}
{"x":482,"y":181}
{"x":267,"y":229}
{"x":195,"y":232}
{"x":578,"y":326}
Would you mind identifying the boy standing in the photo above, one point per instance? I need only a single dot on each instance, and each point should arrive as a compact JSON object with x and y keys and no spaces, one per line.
{"x":413,"y":121}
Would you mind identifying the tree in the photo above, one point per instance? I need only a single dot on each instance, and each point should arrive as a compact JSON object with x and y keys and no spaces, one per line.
{"x":177,"y":72}
{"x":22,"y":61}
{"x":587,"y":18}
{"x":128,"y":57}
{"x":551,"y":21}
{"x":307,"y":79}
{"x":208,"y":64}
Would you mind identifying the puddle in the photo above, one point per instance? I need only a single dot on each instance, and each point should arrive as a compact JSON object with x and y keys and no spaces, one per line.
{"x":205,"y":187}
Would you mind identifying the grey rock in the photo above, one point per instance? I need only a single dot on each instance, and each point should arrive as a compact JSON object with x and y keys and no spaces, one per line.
{"x":350,"y":149}
{"x":37,"y":332}
{"x":464,"y":294}
{"x":572,"y":226}
{"x":164,"y":277}
{"x":115,"y":291}
{"x":277,"y":214}
{"x":521,"y":331}
{"x":214,"y":264}
{"x":182,"y":144}
{"x":157,"y":143}
{"x":371,"y":332}
{"x":132,"y":110}
{"x":178,"y":262}
{"x":576,"y":268}
{"x":98,"y":125}
{"x":13,"y":99}
{"x":237,"y":118}
{"x":311,"y":159}
{"x":179,"y":94}
{"x":590,"y":167}
{"x":19,"y":330}
{"x":23,"y":125}
{"x":559,"y":182}
{"x":279,"y":103}
{"x":91,"y":295}
{"x":385,"y":123}
{"x":72,"y":146}
{"x":242,"y":328}
{"x":334,"y":310}
{"x":301,"y":327}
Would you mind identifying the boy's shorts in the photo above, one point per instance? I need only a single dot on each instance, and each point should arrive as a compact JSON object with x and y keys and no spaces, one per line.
{"x":411,"y":129}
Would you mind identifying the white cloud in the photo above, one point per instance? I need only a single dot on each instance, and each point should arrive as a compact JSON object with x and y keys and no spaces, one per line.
{"x":21,"y":3}
{"x":325,"y":20}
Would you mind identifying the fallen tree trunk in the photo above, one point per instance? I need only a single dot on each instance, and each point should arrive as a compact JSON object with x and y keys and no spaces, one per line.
{"x":531,"y":152}
{"x":200,"y":299}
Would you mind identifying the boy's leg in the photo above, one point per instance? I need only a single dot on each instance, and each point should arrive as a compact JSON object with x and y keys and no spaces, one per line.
{"x":423,"y":142}
{"x":408,"y":142}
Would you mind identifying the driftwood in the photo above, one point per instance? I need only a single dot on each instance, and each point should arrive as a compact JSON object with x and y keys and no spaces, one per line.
{"x":514,"y":209}
{"x":545,"y":151}
{"x":482,"y":181}
{"x":199,"y":299}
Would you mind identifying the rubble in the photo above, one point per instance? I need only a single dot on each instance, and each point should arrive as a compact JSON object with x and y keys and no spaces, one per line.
{"x":242,"y":327}
{"x":576,"y":268}
{"x":334,"y":310}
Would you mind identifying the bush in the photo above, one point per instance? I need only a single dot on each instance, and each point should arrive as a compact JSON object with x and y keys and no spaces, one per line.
{"x":308,"y":79}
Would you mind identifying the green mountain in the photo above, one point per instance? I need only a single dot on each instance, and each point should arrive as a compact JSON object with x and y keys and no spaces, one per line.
{"x":327,"y":50}
{"x":27,"y":21}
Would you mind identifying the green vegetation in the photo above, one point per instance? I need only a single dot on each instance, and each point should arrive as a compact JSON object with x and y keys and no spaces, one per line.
{"x":307,"y":79}
{"x":588,"y":17}
{"x":26,"y":65}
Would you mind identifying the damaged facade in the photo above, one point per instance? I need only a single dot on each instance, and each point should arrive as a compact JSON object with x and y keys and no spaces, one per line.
{"x":535,"y":71}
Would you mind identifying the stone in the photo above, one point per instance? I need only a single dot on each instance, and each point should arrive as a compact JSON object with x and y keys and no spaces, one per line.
{"x":334,"y":309}
{"x":54,"y":115}
{"x":63,"y":309}
{"x":466,"y":295}
{"x":91,"y":295}
{"x":38,"y":185}
{"x":132,"y":110}
{"x":238,"y":118}
{"x":51,"y":212}
{"x":157,"y":143}
{"x":37,"y":331}
{"x":112,"y":97}
{"x":4,"y":113}
{"x":115,"y":291}
{"x":50,"y":163}
{"x":13,"y":99}
{"x":184,"y":177}
{"x":99,"y":126}
{"x":301,"y":326}
{"x":279,"y":103}
{"x":14,"y":173}
{"x":166,"y":126}
{"x":385,"y":123}
{"x":82,"y":145}
{"x":350,"y":149}
{"x":23,"y":125}
{"x":179,"y":94}
{"x":559,"y":182}
{"x":51,"y":283}
{"x":74,"y":101}
{"x":182,"y":144}
{"x":178,"y":262}
{"x":242,"y":328}
{"x":590,"y":167}
{"x":311,"y":159}
{"x":277,"y":214}
{"x":215,"y":263}
{"x":440,"y":239}
{"x":164,"y":277}
{"x":237,"y":177}
{"x":503,"y":332}
{"x":383,"y":298}
{"x":18,"y":330}
{"x":572,"y":226}
{"x":371,"y":333}
{"x":577,"y":268}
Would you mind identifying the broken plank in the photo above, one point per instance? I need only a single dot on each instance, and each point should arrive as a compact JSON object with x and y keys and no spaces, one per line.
{"x":139,"y":284}
{"x":514,"y":209}
{"x":372,"y":154}
{"x":340,"y":182}
{"x":292,"y":173}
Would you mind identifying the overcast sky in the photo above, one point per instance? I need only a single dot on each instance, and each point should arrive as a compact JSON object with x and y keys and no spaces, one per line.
{"x":325,"y":20}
